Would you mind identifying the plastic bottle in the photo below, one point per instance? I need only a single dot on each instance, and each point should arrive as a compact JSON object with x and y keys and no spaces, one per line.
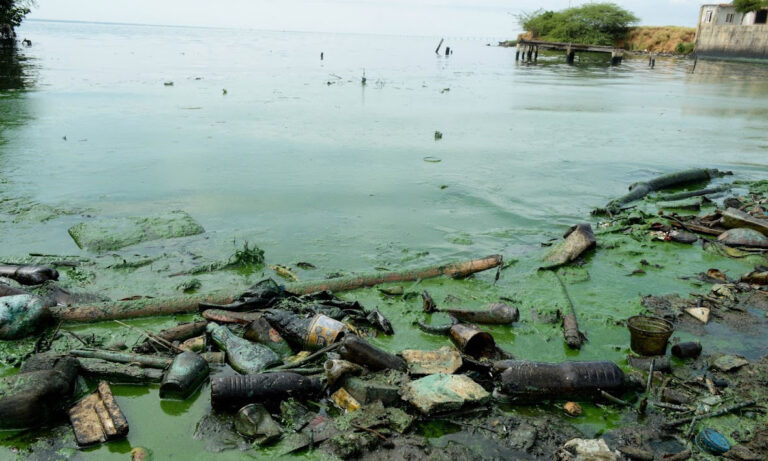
{"x":268,"y":389}
{"x":524,"y":378}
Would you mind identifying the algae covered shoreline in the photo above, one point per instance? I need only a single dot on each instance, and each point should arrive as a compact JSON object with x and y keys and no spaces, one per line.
{"x":631,"y":260}
{"x":306,"y":168}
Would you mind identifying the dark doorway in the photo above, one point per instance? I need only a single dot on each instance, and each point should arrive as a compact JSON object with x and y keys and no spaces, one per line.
{"x":761,"y":17}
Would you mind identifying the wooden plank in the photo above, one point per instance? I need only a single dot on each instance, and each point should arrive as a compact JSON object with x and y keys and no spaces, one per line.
{"x":564,"y":46}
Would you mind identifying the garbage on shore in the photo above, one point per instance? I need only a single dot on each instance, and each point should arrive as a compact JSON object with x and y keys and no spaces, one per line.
{"x":298,"y":366}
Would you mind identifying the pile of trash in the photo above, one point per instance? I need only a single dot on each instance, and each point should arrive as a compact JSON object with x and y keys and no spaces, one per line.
{"x":299,"y":365}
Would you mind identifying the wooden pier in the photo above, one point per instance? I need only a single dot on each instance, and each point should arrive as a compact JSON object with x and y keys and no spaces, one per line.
{"x":530,"y":50}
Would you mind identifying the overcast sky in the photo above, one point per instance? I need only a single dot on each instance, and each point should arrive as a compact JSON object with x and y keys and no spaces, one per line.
{"x":471,"y":18}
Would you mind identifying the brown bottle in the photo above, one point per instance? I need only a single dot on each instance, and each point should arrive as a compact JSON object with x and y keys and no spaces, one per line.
{"x":260,"y":331}
{"x":29,"y":275}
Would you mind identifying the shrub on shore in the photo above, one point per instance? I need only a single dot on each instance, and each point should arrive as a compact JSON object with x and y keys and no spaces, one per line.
{"x":593,"y":24}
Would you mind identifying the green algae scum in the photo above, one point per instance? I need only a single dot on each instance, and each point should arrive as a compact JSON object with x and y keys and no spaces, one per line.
{"x":139,"y":193}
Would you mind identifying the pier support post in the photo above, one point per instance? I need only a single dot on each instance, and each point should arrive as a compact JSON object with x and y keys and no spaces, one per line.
{"x":616,"y":57}
{"x":517,"y":52}
{"x":569,"y":55}
{"x":530,"y":53}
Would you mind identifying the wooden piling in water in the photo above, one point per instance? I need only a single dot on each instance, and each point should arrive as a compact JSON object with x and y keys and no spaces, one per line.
{"x":570,"y":55}
{"x":437,"y":50}
{"x":616,"y":57}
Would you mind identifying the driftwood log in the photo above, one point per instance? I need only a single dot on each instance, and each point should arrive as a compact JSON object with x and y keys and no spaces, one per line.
{"x":98,"y":312}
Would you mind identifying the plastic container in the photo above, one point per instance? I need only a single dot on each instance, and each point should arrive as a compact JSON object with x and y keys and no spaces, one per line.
{"x":712,"y":442}
{"x":532,"y":379}
{"x":268,"y":389}
{"x":649,"y":335}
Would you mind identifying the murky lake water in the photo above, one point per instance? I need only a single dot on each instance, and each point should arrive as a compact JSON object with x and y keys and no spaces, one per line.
{"x":302,"y":159}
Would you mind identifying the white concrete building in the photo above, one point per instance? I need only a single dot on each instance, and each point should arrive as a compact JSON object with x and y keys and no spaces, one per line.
{"x":723,"y":14}
{"x":724,"y":33}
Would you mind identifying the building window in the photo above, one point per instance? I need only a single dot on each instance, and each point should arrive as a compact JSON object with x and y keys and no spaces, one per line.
{"x":761,"y":17}
{"x":708,"y":16}
{"x":729,"y":18}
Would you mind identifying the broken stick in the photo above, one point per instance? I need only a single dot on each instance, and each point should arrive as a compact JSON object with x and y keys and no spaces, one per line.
{"x":712,"y":414}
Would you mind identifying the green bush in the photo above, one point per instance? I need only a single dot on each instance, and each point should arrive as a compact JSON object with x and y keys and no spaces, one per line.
{"x":592,"y":24}
{"x":684,"y":48}
{"x":12,"y":12}
{"x":745,"y":6}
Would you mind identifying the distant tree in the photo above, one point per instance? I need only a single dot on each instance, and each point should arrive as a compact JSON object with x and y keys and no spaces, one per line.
{"x":12,"y":12}
{"x":745,"y":6}
{"x":593,"y":24}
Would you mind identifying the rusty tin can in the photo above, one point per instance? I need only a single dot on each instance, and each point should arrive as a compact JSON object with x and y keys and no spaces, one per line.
{"x":472,"y":341}
{"x":323,"y":331}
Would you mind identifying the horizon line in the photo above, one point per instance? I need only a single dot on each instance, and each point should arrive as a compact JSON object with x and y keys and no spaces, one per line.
{"x":180,"y":26}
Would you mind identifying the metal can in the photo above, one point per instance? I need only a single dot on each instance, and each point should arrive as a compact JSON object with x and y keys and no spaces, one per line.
{"x":473,"y":341}
{"x":323,"y":331}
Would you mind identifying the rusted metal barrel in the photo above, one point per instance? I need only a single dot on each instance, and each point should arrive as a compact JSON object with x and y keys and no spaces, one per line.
{"x":530,"y":379}
{"x":267,"y":388}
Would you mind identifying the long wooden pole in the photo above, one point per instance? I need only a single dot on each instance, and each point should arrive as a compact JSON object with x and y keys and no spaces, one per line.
{"x":189,"y":304}
{"x":437,"y":50}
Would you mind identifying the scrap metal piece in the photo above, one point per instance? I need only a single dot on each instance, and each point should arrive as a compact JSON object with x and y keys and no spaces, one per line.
{"x":444,"y":360}
{"x":578,"y":239}
{"x":441,"y":392}
{"x":97,"y":418}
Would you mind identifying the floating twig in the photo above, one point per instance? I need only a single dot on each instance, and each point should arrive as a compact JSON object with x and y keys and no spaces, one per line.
{"x":613,"y":399}
{"x":152,"y":337}
{"x":306,"y":359}
{"x":711,"y":414}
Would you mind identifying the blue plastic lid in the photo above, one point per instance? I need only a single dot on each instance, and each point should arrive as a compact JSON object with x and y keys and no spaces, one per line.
{"x":712,"y":441}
